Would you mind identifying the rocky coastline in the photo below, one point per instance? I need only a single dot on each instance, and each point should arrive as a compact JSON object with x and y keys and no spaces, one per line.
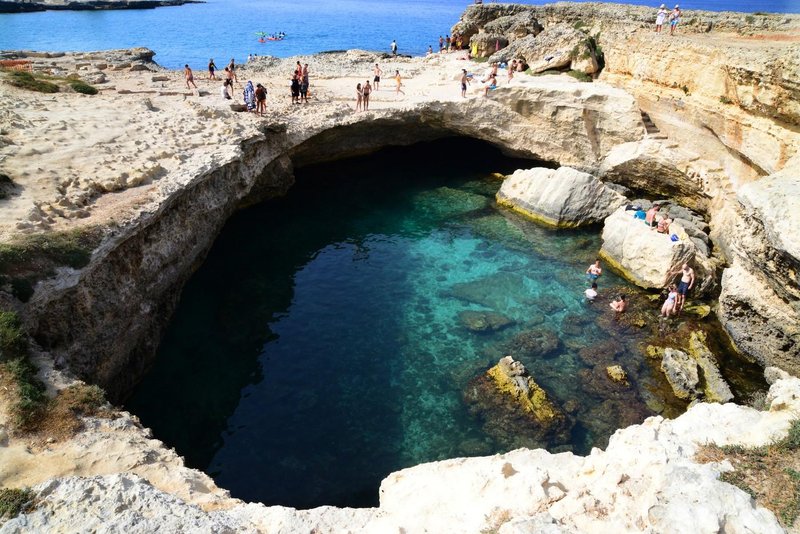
{"x":723,"y":146}
{"x":25,"y":6}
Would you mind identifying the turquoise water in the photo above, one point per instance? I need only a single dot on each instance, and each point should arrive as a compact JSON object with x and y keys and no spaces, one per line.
{"x":322,"y":345}
{"x":222,"y":29}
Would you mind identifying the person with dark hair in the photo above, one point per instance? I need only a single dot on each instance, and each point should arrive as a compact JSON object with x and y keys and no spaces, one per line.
{"x":261,"y":99}
{"x":591,"y":293}
{"x":619,"y":304}
{"x":464,"y":83}
{"x":367,"y":91}
{"x":377,"y":79}
{"x":211,"y":69}
{"x":187,"y":72}
{"x":295,"y":87}
{"x":359,"y":97}
{"x":304,"y":84}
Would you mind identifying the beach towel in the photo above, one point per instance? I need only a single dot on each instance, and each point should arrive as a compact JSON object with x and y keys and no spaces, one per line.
{"x":250,"y":96}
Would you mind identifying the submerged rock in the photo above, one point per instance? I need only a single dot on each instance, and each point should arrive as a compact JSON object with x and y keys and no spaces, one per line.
{"x":562,"y":197}
{"x":512,"y":379}
{"x":535,"y":342}
{"x":617,"y":374}
{"x":484,"y":321}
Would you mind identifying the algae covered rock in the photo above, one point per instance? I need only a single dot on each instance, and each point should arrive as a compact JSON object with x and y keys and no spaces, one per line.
{"x":562,"y":197}
{"x":715,"y":389}
{"x":535,"y":342}
{"x":681,"y":372}
{"x":511,"y":378}
{"x":617,"y":374}
{"x":484,"y":321}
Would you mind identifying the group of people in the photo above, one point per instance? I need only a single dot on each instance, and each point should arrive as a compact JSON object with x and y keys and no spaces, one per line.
{"x":363,"y":92}
{"x":448,"y":44}
{"x":660,"y":222}
{"x":673,"y":17}
{"x":299,"y":84}
{"x":676,"y":295}
{"x":593,"y":273}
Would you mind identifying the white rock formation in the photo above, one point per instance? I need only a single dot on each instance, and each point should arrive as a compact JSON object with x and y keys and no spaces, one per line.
{"x":645,"y":481}
{"x":562,"y":197}
{"x":643,"y":255}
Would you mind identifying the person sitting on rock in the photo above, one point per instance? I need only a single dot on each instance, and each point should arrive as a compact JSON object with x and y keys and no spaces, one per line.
{"x":650,"y":217}
{"x":618,"y":304}
{"x":663,"y":225}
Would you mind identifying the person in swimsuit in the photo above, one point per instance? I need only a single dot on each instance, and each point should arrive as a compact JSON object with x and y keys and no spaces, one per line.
{"x":619,"y":304}
{"x":377,"y":79}
{"x":232,"y":70}
{"x":359,"y":97}
{"x":650,"y":217}
{"x":441,"y":44}
{"x":211,"y":69}
{"x":367,"y":91}
{"x":511,"y":68}
{"x":399,"y":80}
{"x":464,"y":82}
{"x":295,"y":87}
{"x":261,"y":99}
{"x":594,"y":271}
{"x":686,"y":283}
{"x":669,"y":305}
{"x":674,"y":19}
{"x":187,"y":72}
{"x":492,"y":85}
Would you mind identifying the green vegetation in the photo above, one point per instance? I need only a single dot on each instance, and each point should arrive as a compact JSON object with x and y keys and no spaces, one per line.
{"x":725,"y":100}
{"x":770,"y":474}
{"x":480,"y":59}
{"x":579,"y":24}
{"x":750,"y":19}
{"x":13,"y":344}
{"x":31,"y":401}
{"x":33,"y":257}
{"x":82,"y":87}
{"x":580,"y":75}
{"x":26,"y":80}
{"x":13,"y":501}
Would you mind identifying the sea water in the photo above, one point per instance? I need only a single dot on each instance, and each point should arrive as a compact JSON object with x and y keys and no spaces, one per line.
{"x":324,"y":343}
{"x":223,"y":29}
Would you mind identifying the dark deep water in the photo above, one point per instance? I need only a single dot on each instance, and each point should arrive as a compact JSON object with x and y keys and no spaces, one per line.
{"x":321,"y":347}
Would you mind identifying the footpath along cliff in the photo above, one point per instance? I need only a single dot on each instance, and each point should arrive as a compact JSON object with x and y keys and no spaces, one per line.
{"x":127,"y":189}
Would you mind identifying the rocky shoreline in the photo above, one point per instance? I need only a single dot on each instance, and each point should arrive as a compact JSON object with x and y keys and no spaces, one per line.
{"x":724,"y":144}
{"x":24,"y":6}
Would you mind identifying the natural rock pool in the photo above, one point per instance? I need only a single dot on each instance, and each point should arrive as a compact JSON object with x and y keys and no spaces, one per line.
{"x":342,"y":332}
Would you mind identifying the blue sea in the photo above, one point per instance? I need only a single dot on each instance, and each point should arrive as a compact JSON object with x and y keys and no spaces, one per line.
{"x":222,"y":29}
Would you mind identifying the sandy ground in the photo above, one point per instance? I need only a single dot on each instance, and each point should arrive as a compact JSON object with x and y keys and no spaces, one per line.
{"x":78,"y":159}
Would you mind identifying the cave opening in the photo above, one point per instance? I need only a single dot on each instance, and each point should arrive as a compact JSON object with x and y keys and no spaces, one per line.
{"x":339,"y":333}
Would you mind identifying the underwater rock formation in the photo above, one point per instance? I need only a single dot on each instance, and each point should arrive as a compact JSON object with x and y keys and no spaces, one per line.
{"x":483,"y":321}
{"x":562,"y":197}
{"x":512,"y":379}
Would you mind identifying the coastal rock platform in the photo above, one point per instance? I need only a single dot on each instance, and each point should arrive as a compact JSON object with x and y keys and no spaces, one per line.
{"x":148,"y":171}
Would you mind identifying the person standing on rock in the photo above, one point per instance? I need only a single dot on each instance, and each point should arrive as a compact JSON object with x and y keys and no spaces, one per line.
{"x":367,"y":91}
{"x":660,"y":17}
{"x":669,"y":305}
{"x":359,"y":97}
{"x":686,"y":283}
{"x":394,"y":47}
{"x":464,"y":83}
{"x":304,"y":84}
{"x":674,"y":19}
{"x":211,"y":69}
{"x":261,"y":99}
{"x":441,"y":44}
{"x":377,"y":79}
{"x":232,"y":69}
{"x":187,"y":72}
